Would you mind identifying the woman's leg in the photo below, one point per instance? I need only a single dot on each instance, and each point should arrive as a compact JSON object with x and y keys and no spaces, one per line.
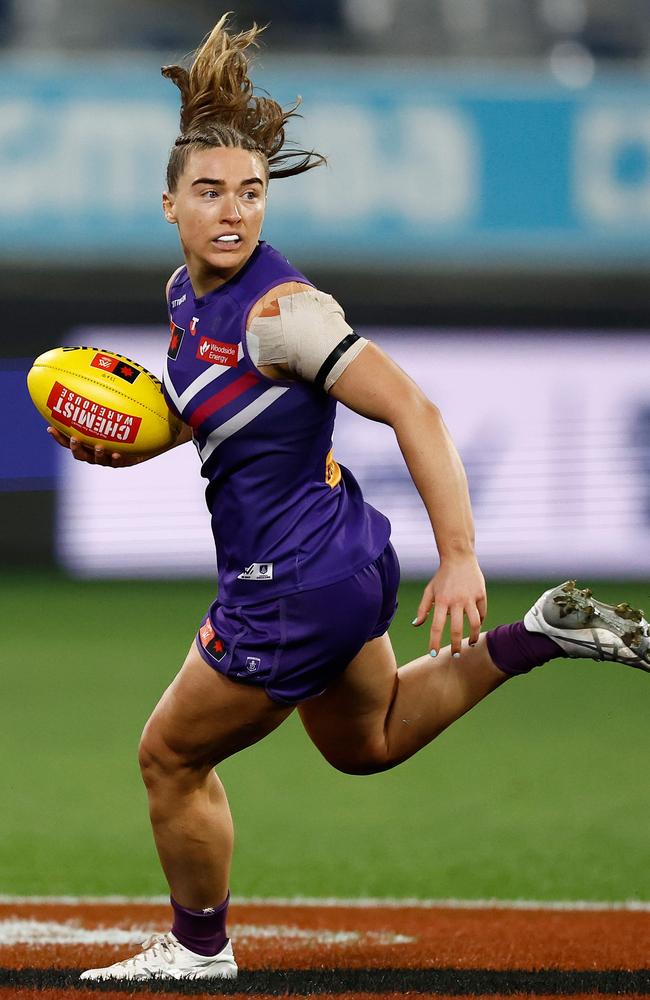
{"x":374,"y":716}
{"x":201,"y":719}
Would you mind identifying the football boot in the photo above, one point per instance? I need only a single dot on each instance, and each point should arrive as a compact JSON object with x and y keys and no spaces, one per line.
{"x":164,"y":957}
{"x":585,"y":627}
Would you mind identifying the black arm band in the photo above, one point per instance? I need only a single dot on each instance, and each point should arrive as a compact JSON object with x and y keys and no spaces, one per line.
{"x":332,"y":358}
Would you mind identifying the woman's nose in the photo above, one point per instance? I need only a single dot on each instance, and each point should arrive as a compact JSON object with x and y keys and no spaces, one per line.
{"x":230,"y":210}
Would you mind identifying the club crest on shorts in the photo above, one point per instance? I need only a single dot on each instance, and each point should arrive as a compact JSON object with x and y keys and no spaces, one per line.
{"x":253,"y":664}
{"x":257,"y":571}
{"x":211,"y":641}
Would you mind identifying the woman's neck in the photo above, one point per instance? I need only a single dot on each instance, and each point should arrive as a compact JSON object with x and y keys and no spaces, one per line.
{"x":207,"y":279}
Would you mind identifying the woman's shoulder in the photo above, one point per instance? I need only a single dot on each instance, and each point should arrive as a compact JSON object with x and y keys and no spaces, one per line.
{"x":268,"y":304}
{"x":273,"y":264}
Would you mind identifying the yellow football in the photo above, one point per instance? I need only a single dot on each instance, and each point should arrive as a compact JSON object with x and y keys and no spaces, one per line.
{"x":102,"y":398}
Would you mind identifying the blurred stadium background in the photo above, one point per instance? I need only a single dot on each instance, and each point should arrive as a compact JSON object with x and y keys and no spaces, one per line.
{"x":485,"y":215}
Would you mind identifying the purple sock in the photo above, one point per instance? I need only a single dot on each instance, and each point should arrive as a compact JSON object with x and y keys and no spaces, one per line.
{"x":201,"y":931}
{"x":515,"y":650}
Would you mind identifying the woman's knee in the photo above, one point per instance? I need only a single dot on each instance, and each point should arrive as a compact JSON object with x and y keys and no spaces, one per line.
{"x":363,"y":760}
{"x":160,"y":765}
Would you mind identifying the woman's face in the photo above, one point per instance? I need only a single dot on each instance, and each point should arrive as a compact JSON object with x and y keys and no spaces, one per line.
{"x":218,"y":206}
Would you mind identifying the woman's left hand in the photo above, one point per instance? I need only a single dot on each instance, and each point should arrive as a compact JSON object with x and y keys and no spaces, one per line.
{"x":457,"y":590}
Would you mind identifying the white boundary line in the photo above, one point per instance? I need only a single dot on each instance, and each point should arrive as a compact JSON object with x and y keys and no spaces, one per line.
{"x":30,"y":931}
{"x":579,"y":905}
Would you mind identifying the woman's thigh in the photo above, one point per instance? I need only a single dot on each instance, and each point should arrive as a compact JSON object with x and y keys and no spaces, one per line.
{"x":347,"y":722}
{"x":203,"y":717}
{"x":374,"y":717}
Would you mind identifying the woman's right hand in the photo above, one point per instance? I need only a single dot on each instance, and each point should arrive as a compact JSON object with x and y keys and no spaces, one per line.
{"x":97,"y":455}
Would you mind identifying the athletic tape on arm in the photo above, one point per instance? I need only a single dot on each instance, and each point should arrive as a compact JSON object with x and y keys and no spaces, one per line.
{"x":310,"y":337}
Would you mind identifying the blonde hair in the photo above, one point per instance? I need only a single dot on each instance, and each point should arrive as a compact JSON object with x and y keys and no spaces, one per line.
{"x":219,"y":108}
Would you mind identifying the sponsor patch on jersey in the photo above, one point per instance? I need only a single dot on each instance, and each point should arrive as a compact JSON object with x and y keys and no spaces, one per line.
{"x":175,"y":341}
{"x":257,"y":571}
{"x":332,"y":470}
{"x":122,"y":369}
{"x":211,"y":641}
{"x":217,"y":353}
{"x":83,"y":414}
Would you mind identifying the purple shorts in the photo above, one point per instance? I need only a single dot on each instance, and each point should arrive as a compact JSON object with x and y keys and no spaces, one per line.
{"x":294,"y":646}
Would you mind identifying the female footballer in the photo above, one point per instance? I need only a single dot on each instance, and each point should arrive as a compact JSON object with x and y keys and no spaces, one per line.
{"x":257,"y":361}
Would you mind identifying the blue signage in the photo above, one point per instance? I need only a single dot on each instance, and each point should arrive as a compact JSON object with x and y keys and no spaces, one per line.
{"x":423,"y":168}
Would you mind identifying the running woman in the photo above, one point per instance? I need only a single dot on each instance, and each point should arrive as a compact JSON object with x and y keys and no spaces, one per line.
{"x":257,"y":361}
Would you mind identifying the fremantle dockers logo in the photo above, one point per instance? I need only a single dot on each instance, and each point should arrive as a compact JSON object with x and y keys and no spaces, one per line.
{"x":253,"y":665}
{"x":175,"y":341}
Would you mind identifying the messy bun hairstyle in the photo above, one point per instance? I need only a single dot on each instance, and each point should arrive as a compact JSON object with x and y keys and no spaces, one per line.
{"x":219,"y":108}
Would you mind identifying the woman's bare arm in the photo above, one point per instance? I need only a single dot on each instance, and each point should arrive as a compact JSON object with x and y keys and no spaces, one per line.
{"x":374,"y":386}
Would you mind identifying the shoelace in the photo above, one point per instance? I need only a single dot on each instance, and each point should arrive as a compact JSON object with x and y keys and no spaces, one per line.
{"x":156,"y":946}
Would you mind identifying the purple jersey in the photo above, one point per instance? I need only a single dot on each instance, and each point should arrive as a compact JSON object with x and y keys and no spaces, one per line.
{"x":285,"y":516}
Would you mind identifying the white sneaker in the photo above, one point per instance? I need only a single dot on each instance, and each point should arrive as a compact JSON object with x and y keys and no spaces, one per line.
{"x":583,"y":626}
{"x":163,"y":957}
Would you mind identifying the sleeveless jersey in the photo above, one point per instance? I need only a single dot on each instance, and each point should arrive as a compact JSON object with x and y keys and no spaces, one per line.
{"x":285,"y":516}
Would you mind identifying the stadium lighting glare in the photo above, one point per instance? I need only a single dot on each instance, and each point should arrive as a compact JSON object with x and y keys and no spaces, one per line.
{"x":572,"y":64}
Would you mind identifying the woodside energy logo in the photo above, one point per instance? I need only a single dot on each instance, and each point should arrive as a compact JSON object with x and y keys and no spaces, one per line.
{"x":217,"y":352}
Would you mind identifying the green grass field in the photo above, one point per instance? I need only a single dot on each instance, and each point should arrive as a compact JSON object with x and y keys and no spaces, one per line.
{"x":540,"y":792}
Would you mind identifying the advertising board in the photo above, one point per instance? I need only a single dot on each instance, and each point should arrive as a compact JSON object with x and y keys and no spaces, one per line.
{"x":553,"y":429}
{"x":424,"y":169}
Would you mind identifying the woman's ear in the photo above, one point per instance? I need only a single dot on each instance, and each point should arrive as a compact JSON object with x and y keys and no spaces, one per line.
{"x":168,"y":207}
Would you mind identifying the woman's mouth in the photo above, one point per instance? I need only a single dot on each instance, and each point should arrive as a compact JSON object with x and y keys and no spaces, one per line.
{"x":228,"y":240}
